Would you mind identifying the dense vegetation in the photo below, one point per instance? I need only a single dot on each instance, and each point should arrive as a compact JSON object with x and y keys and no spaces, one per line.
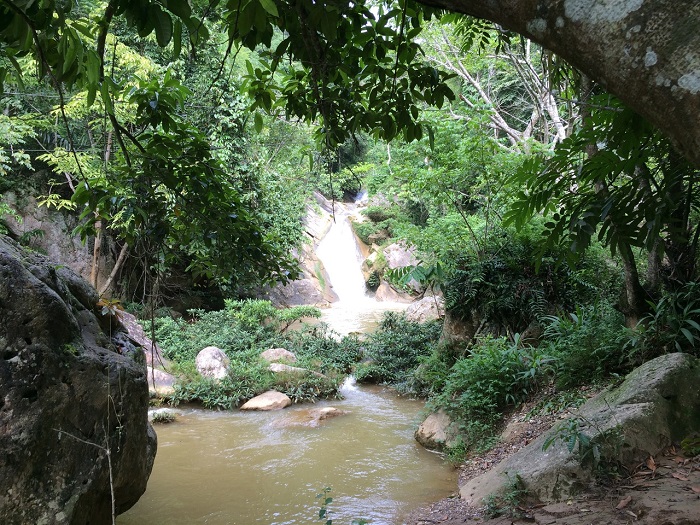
{"x":560,"y":227}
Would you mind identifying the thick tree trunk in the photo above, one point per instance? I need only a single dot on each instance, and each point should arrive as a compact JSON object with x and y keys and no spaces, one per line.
{"x":645,"y":52}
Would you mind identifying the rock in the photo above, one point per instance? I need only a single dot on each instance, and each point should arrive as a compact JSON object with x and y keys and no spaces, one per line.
{"x":160,"y":383}
{"x":427,"y":309}
{"x":162,"y":415}
{"x":456,"y":331}
{"x":273,"y":355}
{"x":138,"y":336}
{"x":398,"y":255}
{"x":270,"y":400}
{"x":385,"y":292}
{"x":658,"y":404}
{"x":57,"y":240}
{"x":212,"y":362}
{"x":279,"y":368}
{"x":434,"y":433}
{"x":313,"y":285}
{"x":309,"y":417}
{"x":66,"y":394}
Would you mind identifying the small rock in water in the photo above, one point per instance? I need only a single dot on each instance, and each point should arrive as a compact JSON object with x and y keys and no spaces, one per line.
{"x":270,"y":400}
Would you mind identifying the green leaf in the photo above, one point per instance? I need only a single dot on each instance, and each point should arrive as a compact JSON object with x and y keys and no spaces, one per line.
{"x":163,"y":25}
{"x":180,"y":8}
{"x":258,"y":122}
{"x":270,"y":7}
{"x":177,"y":38}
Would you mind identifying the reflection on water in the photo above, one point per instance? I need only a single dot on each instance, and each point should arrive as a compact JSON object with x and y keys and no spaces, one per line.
{"x":243,"y":468}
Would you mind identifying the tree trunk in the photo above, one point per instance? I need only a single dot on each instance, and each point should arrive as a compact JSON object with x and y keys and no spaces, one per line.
{"x":646,"y":53}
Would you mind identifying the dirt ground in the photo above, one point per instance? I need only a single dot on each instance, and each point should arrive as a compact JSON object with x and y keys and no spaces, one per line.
{"x":664,"y":490}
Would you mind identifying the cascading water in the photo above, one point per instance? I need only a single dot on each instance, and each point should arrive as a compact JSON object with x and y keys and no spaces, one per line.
{"x":342,"y":259}
{"x":355,"y":310}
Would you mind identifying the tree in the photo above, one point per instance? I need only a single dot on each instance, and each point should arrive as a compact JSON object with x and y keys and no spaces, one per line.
{"x":646,"y":53}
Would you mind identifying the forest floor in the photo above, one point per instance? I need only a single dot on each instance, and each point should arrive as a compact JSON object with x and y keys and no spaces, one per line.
{"x":665,"y":490}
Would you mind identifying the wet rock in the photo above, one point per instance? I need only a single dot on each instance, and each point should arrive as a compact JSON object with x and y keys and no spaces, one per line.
{"x":385,"y":292}
{"x":160,"y":383}
{"x":657,"y":404}
{"x":212,"y":362}
{"x":274,"y":355}
{"x":270,"y":400}
{"x":67,"y":395}
{"x":427,"y":309}
{"x":308,"y":418}
{"x":434,"y":433}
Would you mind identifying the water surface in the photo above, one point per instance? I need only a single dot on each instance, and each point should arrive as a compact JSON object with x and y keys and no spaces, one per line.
{"x":243,"y":468}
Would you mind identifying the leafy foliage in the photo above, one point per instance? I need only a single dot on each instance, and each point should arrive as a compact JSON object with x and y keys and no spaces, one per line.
{"x":395,"y":350}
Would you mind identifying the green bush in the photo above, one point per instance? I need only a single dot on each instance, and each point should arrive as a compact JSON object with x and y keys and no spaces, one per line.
{"x":673,"y":325}
{"x":588,"y":344}
{"x":509,"y":287}
{"x":395,"y":350}
{"x":301,"y":387}
{"x":364,"y":229}
{"x":246,"y":379}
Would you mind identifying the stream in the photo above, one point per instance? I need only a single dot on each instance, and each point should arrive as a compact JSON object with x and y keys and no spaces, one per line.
{"x":241,"y":468}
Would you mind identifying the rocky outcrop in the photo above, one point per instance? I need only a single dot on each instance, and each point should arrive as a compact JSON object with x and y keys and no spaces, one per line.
{"x":160,"y":383}
{"x":212,"y":362}
{"x":658,"y":404}
{"x":73,"y":399}
{"x":313,"y":286}
{"x":273,"y":355}
{"x":270,"y":400}
{"x":386,"y":293}
{"x":434,"y":433}
{"x":428,"y":308}
{"x":55,"y":238}
{"x":138,"y":335}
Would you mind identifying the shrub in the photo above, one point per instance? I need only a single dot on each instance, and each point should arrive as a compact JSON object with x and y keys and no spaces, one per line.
{"x":246,"y":379}
{"x":302,"y":387}
{"x":496,"y":373}
{"x":588,"y":344}
{"x":673,"y":325}
{"x":395,"y":350}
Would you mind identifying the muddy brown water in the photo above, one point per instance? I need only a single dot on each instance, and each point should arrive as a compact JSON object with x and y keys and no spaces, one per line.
{"x":243,"y":468}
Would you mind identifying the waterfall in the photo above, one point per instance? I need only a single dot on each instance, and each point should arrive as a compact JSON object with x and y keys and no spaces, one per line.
{"x":341,"y":256}
{"x":356,"y":310}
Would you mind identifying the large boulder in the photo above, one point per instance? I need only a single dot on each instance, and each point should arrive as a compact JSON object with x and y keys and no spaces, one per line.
{"x":398,"y":255}
{"x":73,"y":399}
{"x":428,"y":308}
{"x":212,"y":362}
{"x":658,"y":404}
{"x":435,"y":432}
{"x":386,"y":293}
{"x":137,"y":334}
{"x":160,"y":383}
{"x":270,"y":400}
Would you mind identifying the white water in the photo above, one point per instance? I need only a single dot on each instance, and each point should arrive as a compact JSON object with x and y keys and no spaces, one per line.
{"x":355,"y":310}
